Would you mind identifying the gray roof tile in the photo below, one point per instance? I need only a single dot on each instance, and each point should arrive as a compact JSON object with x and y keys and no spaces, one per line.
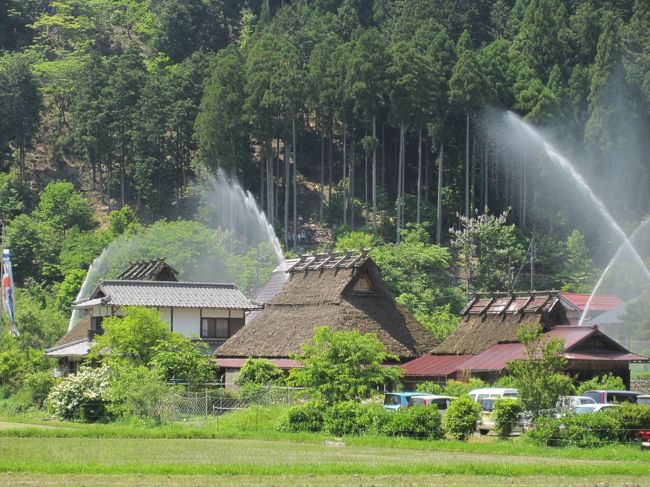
{"x":173,"y":294}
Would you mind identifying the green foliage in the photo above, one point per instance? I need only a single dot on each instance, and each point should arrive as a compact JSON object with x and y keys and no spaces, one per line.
{"x":80,"y":249}
{"x":122,"y":220}
{"x":576,"y":430}
{"x":424,"y":422}
{"x":67,"y":291}
{"x":357,"y":240}
{"x":343,"y":365}
{"x":429,"y":388}
{"x":441,"y":322}
{"x":457,"y":388}
{"x":137,"y":392}
{"x":259,"y":371}
{"x":577,"y":268}
{"x":506,"y":381}
{"x":604,"y":382}
{"x":63,"y":207}
{"x":130,"y":339}
{"x":540,"y":376}
{"x":506,"y":416}
{"x":486,"y":247}
{"x":631,"y":418}
{"x":181,"y":358}
{"x":11,"y":362}
{"x":461,"y":418}
{"x":37,"y":385}
{"x":347,"y":418}
{"x":303,"y":417}
{"x":82,"y":396}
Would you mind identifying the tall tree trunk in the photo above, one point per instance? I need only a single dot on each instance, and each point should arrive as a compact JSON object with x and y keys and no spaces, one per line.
{"x":351,"y":182}
{"x":262,"y":186}
{"x":485,"y":175}
{"x":467,"y":168}
{"x":21,"y":150}
{"x":439,"y":196}
{"x":322,"y":173}
{"x":295,"y":185}
{"x":330,"y":143}
{"x":417,"y":219}
{"x":399,"y":182}
{"x":345,"y":175}
{"x":403,"y":189}
{"x":383,"y":156}
{"x":109,"y":184}
{"x":287,"y":175}
{"x":374,"y":172}
{"x":269,"y":183}
{"x":365,"y":182}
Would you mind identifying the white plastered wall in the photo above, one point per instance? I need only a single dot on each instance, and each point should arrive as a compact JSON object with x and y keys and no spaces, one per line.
{"x":187,"y":321}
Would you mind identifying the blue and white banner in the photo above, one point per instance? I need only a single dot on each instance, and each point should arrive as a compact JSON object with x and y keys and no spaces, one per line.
{"x":8,"y":291}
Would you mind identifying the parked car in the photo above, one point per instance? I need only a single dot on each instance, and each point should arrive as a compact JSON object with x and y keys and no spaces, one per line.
{"x":396,"y":400}
{"x":592,"y":408}
{"x":486,"y":397}
{"x":441,"y":402}
{"x":643,"y":400}
{"x":609,"y":397}
{"x":566,"y":402}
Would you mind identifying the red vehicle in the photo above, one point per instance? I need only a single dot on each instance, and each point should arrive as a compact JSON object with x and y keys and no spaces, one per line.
{"x":645,"y":438}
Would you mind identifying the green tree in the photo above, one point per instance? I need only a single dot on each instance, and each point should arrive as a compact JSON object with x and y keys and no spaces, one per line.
{"x":220,"y":127}
{"x":63,"y":207}
{"x":461,"y":418}
{"x":66,"y":292}
{"x":343,"y":365}
{"x":259,"y":371}
{"x":122,"y":220}
{"x":486,"y":249}
{"x":20,"y":105}
{"x":604,"y":382}
{"x":540,"y":376}
{"x":577,"y":269}
{"x":181,"y":358}
{"x":130,"y":339}
{"x":79,"y":249}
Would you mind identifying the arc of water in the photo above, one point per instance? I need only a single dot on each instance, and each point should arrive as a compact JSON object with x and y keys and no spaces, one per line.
{"x":567,"y":166}
{"x":601,"y":279}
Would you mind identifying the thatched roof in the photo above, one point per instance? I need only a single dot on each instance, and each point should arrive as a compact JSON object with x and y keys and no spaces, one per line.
{"x":491,"y":320}
{"x":323,"y":296}
{"x":149,"y":270}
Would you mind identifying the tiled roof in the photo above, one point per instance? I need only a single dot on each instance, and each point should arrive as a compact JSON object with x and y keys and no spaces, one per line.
{"x":172,"y":294}
{"x":600,"y":302}
{"x":79,"y":348}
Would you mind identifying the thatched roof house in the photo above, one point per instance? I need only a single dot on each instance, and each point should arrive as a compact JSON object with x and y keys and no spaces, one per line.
{"x":487,"y":339}
{"x":343,"y":291}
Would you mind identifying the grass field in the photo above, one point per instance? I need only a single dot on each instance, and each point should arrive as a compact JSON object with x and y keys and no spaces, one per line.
{"x":207,"y":453}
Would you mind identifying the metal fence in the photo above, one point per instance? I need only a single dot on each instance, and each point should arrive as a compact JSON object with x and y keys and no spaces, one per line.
{"x":211,"y":401}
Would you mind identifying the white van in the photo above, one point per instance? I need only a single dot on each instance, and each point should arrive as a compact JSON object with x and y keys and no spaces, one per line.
{"x":486,"y":397}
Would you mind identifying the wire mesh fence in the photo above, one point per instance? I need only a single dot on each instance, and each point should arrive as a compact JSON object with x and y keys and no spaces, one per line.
{"x":218,"y":401}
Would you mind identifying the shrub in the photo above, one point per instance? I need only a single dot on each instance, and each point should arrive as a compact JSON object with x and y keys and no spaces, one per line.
{"x":506,"y":416}
{"x":506,"y":381}
{"x":579,"y":430}
{"x":38,"y":385}
{"x":259,"y":371}
{"x":456,"y":388}
{"x":303,"y":417}
{"x":348,"y":418}
{"x":461,"y":418}
{"x":81,"y":396}
{"x":604,"y":382}
{"x":631,"y":418}
{"x":429,"y":387}
{"x":414,"y":422}
{"x":137,"y":392}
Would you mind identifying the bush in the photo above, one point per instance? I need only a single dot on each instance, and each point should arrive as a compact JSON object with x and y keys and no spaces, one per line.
{"x":456,"y":388}
{"x":38,"y":385}
{"x":259,"y":371}
{"x":631,"y":418}
{"x":81,"y":396}
{"x":606,"y":382}
{"x":429,"y":388}
{"x":303,"y":417}
{"x":348,"y":418}
{"x":17,"y":403}
{"x":461,"y":418}
{"x":578,"y":430}
{"x":414,"y":422}
{"x":137,"y":392}
{"x":506,"y":416}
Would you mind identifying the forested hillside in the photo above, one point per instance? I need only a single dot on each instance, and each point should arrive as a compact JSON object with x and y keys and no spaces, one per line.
{"x":357,"y":114}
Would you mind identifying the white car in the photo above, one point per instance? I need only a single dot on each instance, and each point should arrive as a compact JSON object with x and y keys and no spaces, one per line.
{"x":486,"y":397}
{"x":566,"y":402}
{"x":441,"y":402}
{"x":592,"y":408}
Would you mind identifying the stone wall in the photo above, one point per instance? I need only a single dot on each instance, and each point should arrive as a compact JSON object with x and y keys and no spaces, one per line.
{"x":640,"y":385}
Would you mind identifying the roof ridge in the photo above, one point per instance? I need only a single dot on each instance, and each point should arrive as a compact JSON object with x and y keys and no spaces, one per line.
{"x":223,"y":285}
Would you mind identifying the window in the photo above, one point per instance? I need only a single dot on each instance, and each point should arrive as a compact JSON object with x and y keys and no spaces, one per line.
{"x":214,"y":328}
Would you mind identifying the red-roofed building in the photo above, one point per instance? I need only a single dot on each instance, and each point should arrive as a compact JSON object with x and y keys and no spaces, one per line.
{"x":576,"y":303}
{"x":486,"y":340}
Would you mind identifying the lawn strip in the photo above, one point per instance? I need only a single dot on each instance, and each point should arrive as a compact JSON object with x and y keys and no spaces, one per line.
{"x":328,"y":469}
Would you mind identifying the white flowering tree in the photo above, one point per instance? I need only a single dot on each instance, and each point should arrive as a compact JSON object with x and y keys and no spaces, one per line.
{"x":81,"y":396}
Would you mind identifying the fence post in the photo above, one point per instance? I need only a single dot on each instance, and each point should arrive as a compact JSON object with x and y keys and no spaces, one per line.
{"x":206,"y":402}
